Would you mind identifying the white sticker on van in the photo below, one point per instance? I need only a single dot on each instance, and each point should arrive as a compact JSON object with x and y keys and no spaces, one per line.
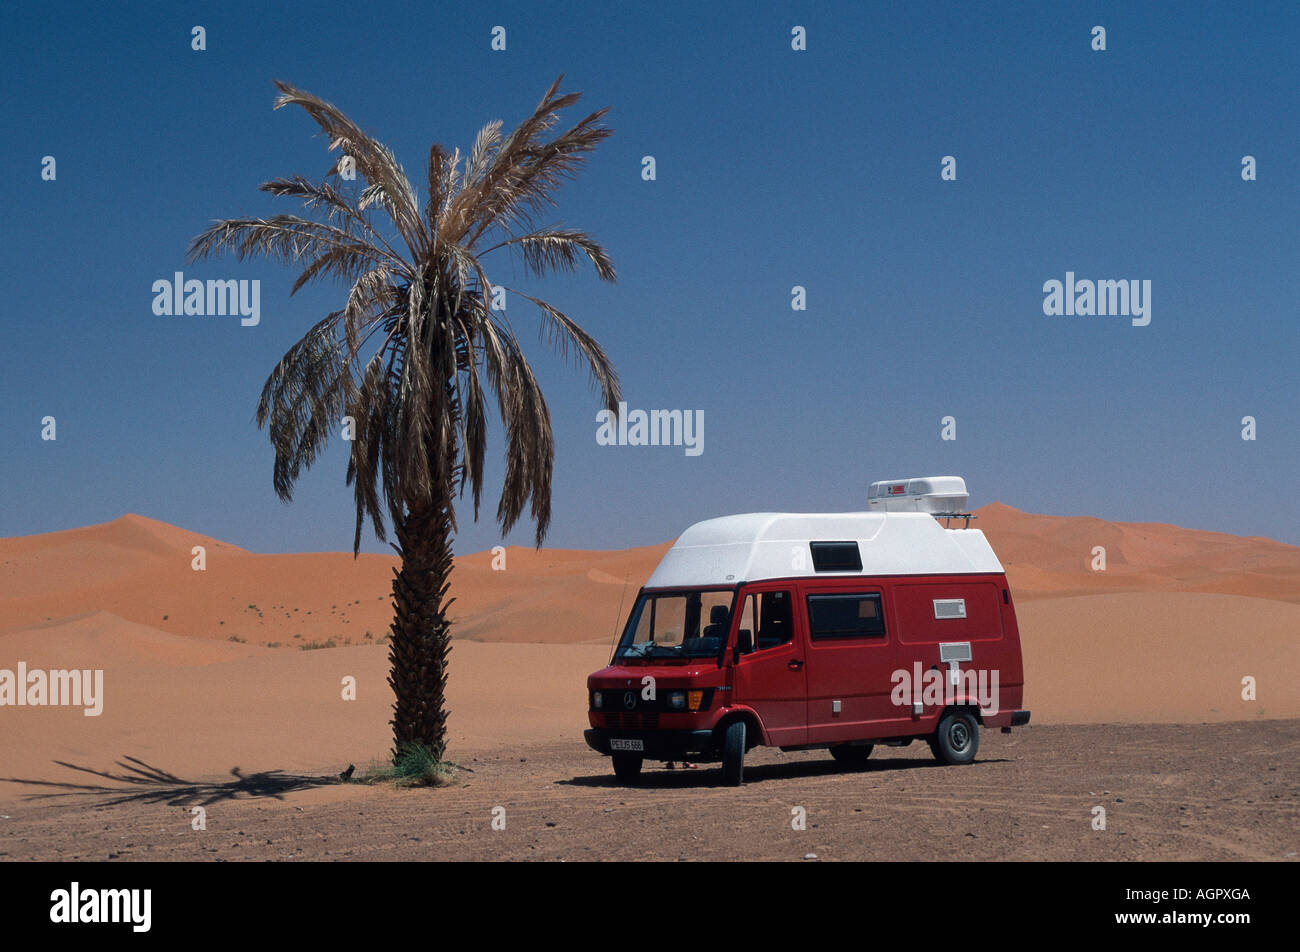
{"x":950,"y":608}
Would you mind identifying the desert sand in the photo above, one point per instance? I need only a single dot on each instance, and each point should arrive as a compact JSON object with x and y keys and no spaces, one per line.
{"x":205,"y":672}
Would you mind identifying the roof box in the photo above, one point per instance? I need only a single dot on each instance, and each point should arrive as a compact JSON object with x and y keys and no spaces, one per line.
{"x":937,"y":495}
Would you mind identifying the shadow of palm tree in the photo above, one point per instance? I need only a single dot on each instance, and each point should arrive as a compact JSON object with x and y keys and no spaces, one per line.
{"x":139,"y":782}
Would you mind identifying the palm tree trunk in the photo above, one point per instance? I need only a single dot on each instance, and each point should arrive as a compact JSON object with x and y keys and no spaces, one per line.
{"x":421,"y":630}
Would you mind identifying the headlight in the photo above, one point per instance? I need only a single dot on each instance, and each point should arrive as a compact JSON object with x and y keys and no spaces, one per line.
{"x":677,"y":700}
{"x":597,"y":700}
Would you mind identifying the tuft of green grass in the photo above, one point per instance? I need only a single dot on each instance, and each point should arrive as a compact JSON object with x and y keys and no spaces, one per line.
{"x":415,"y":766}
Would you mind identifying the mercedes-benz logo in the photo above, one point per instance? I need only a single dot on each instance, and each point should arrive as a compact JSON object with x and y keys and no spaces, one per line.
{"x":629,"y":699}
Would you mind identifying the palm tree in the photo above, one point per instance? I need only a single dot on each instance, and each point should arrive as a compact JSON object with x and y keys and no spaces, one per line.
{"x":416,"y":351}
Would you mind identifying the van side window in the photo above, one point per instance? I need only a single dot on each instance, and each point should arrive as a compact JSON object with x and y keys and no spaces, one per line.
{"x":775,"y":619}
{"x":845,"y":616}
{"x":774,"y":616}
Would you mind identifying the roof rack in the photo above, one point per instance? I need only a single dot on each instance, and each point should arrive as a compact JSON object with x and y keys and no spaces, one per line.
{"x":946,"y":516}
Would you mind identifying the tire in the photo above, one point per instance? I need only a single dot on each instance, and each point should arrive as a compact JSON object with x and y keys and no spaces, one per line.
{"x":957,"y":739}
{"x":852,"y":757}
{"x":733,"y":754}
{"x":627,"y":767}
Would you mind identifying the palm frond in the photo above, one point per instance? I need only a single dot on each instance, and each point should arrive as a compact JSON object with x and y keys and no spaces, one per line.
{"x":560,"y":249}
{"x":375,"y":162}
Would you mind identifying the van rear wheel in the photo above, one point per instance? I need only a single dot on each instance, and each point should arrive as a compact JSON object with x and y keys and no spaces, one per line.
{"x":957,"y":739}
{"x":733,"y":754}
{"x":627,"y":767}
{"x":847,"y":755}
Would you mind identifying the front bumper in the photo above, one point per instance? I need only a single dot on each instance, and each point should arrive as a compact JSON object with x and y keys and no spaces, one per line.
{"x":659,"y":745}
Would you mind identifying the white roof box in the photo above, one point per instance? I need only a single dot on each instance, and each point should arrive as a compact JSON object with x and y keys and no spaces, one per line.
{"x":937,"y":495}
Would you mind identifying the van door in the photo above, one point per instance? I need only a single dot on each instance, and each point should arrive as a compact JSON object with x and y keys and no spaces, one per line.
{"x":771,"y":679}
{"x":851,"y":659}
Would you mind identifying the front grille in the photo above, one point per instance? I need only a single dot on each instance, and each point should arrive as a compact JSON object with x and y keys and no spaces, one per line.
{"x":648,"y":720}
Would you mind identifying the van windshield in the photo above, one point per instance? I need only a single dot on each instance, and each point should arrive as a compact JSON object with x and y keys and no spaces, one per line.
{"x":677,"y":625}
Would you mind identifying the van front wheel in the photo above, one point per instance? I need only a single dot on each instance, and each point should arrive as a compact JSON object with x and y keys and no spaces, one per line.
{"x":957,"y":739}
{"x":733,"y":754}
{"x":627,"y":767}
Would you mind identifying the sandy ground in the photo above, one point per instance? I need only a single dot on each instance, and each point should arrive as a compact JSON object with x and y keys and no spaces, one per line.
{"x":1202,"y":792}
{"x":205,"y":676}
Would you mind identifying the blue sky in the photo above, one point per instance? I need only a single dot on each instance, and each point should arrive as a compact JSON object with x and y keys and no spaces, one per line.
{"x":775,"y":168}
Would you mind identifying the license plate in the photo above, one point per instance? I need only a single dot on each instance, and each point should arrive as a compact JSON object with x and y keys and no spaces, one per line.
{"x":622,"y":743}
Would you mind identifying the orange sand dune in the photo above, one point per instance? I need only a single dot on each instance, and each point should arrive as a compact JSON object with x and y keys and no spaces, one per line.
{"x":140,"y":570}
{"x":103,"y":640}
{"x":1049,"y":556}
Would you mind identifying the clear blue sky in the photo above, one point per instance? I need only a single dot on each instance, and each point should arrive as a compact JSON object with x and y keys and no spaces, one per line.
{"x":775,"y":168}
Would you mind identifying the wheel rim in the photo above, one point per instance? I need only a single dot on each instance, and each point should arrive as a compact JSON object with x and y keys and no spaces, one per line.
{"x":959,"y":735}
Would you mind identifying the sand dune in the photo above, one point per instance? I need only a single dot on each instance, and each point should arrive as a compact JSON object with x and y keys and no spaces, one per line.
{"x":1050,"y":556}
{"x":103,"y":640}
{"x":140,"y":570}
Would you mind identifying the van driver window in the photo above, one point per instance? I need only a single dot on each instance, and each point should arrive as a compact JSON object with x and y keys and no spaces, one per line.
{"x":769,"y":616}
{"x":845,"y":616}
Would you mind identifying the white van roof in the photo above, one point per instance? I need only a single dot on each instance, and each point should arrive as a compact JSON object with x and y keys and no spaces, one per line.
{"x":771,"y":545}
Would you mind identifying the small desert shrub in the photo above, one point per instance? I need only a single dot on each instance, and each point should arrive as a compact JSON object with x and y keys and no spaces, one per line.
{"x":313,"y":645}
{"x":415,"y":766}
{"x":238,"y":639}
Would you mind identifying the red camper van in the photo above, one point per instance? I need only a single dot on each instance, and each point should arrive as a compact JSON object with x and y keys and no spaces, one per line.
{"x":824,"y":630}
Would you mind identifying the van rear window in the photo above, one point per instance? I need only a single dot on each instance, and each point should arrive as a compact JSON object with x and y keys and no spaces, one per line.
{"x":845,"y":616}
{"x":836,"y":557}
